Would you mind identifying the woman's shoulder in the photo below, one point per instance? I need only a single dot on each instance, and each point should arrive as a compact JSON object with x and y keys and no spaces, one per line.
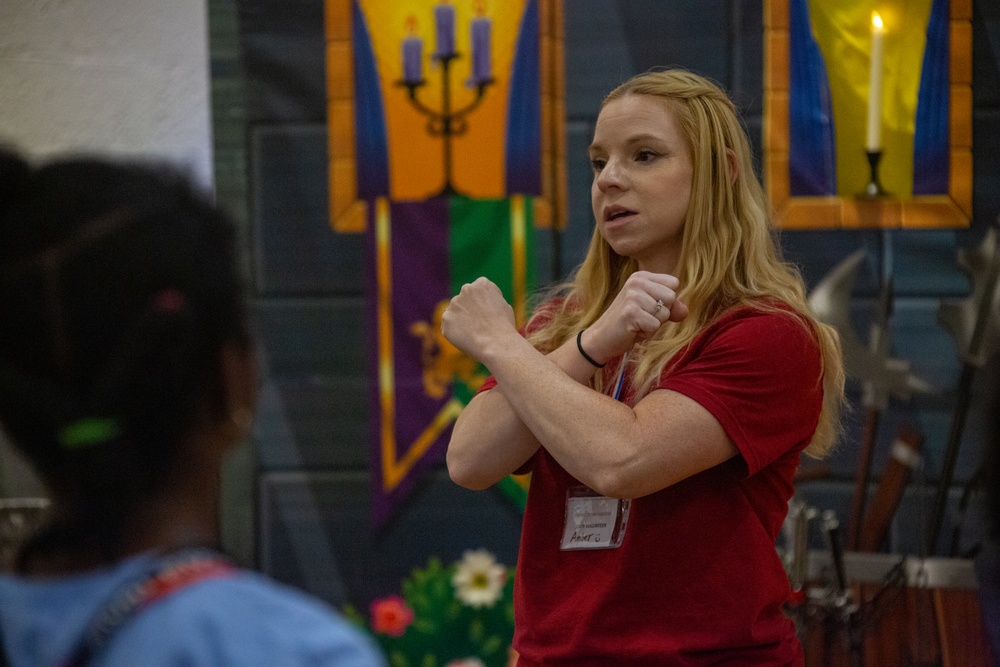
{"x":769,"y":331}
{"x":259,"y":599}
{"x":247,"y":616}
{"x":766,"y":315}
{"x":262,"y":590}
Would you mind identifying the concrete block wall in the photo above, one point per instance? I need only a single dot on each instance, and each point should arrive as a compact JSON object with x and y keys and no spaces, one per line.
{"x":312,"y":437}
{"x":228,"y":110}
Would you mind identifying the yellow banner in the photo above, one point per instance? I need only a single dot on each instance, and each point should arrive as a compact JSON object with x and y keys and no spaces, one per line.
{"x":843,"y":32}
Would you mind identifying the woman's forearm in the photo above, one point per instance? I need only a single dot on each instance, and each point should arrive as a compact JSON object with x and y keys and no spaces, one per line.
{"x":587,"y":432}
{"x":490,"y":441}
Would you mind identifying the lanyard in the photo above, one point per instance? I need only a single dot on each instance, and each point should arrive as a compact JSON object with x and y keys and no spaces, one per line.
{"x":170,"y":574}
{"x":616,"y":394}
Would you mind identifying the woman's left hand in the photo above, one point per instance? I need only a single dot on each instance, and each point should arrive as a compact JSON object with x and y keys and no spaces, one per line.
{"x":476,"y":317}
{"x":645,"y":303}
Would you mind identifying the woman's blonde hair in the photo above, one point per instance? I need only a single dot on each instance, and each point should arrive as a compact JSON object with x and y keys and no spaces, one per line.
{"x":729,"y":255}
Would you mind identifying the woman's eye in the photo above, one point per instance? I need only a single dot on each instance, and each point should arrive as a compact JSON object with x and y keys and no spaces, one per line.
{"x":597,"y":164}
{"x":644,"y":156}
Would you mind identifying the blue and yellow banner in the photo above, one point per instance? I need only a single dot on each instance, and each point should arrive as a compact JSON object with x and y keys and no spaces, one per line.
{"x":830,"y":57}
{"x":868,"y":113}
{"x":446,"y":148}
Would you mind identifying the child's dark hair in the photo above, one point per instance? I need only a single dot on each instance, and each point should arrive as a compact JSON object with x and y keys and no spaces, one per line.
{"x":118,"y":287}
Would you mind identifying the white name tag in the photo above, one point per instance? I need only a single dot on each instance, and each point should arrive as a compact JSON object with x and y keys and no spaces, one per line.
{"x":593,"y":521}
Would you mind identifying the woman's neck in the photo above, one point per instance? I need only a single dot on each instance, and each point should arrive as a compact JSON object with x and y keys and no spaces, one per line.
{"x":175,"y":520}
{"x":184,"y":514}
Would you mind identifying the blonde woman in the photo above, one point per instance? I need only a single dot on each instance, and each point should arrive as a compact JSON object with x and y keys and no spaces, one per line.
{"x":661,"y":401}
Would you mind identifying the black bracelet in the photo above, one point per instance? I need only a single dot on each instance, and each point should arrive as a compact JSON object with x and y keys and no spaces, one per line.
{"x":586,"y":356}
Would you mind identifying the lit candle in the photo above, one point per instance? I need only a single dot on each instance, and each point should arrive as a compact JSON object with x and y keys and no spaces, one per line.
{"x":413,"y":53}
{"x":444,"y":20}
{"x":873,"y":142}
{"x":481,"y":61}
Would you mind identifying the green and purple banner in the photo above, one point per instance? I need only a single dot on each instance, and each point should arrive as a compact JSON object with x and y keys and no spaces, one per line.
{"x":420,"y":254}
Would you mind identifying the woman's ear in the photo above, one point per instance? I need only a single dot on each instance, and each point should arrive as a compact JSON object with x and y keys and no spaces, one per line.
{"x":239,"y":374}
{"x":732,"y":165}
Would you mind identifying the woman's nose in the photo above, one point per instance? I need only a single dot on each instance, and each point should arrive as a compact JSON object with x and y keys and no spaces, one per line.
{"x":611,"y":175}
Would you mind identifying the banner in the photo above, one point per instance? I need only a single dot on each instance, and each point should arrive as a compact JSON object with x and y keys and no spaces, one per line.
{"x":447,"y":150}
{"x":827,"y":132}
{"x":424,"y":252}
{"x":868,"y":113}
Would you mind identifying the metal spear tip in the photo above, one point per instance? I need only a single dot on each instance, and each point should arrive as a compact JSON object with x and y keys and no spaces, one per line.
{"x":830,"y":299}
{"x":881,"y":375}
{"x":974,"y":321}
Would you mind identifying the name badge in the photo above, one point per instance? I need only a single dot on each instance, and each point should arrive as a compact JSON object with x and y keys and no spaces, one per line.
{"x":593,"y":521}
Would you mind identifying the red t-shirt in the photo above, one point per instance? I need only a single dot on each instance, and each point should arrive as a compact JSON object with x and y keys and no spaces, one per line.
{"x":697,"y":579}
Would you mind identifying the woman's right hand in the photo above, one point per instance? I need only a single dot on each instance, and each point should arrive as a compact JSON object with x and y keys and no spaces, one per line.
{"x":635,"y":314}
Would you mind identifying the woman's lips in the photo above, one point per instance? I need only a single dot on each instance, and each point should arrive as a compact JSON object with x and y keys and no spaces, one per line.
{"x":614,"y":216}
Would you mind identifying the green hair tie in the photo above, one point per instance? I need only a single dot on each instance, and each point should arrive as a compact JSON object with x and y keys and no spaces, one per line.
{"x":88,"y":432}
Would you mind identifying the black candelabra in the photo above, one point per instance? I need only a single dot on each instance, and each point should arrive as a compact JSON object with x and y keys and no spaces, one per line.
{"x":448,"y":122}
{"x":874,"y":188}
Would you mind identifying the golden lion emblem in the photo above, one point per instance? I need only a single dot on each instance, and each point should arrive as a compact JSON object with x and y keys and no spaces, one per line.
{"x":443,"y":363}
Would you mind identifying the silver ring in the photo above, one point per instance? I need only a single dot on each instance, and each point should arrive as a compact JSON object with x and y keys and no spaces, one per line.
{"x":656,"y":309}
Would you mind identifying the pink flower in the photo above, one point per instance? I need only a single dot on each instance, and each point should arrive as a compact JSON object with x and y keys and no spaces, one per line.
{"x":391,"y":616}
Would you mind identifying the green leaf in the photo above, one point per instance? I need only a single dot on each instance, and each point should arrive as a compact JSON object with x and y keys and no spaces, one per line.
{"x":440,"y":588}
{"x":476,"y":630}
{"x":429,"y":661}
{"x":420,"y":604}
{"x":353,"y":615}
{"x":424,"y":625}
{"x":492,"y":645}
{"x":397,"y":659}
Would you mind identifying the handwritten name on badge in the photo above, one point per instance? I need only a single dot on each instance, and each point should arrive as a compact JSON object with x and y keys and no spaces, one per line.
{"x":590,"y":522}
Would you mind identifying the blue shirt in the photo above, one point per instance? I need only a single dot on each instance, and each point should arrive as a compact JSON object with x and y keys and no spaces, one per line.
{"x":244,"y":619}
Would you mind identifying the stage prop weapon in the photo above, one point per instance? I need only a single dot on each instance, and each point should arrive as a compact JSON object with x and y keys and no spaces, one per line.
{"x":796,"y":562}
{"x":844,"y":604}
{"x":975,"y":483}
{"x":796,"y":528}
{"x":903,"y":459}
{"x":826,"y":617}
{"x":880,"y":375}
{"x":973,"y":321}
{"x":875,"y":400}
{"x":831,"y":526}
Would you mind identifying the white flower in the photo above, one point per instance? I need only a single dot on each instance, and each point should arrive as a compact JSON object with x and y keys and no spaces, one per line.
{"x":479,"y":579}
{"x":466,"y":662}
